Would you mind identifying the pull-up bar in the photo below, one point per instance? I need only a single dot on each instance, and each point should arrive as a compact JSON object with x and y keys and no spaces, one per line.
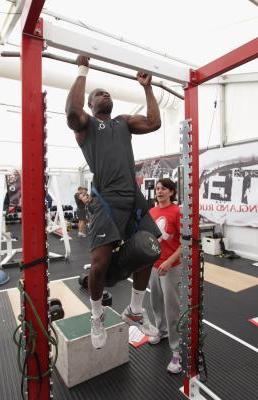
{"x":95,"y":67}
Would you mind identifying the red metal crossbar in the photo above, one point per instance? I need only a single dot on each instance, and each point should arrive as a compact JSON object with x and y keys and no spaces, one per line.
{"x":221,"y":65}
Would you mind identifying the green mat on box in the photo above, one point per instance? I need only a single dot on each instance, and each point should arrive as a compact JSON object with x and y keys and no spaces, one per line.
{"x":79,"y":325}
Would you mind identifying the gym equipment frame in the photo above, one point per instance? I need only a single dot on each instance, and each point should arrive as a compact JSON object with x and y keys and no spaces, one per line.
{"x":36,"y":34}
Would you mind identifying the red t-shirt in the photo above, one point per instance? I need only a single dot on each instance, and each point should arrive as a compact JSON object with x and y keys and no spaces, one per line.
{"x":168,"y":221}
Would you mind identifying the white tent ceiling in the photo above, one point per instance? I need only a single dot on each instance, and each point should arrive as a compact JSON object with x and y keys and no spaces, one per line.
{"x":196,"y":31}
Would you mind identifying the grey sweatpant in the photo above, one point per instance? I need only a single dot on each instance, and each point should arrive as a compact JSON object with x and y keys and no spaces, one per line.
{"x":165,"y":301}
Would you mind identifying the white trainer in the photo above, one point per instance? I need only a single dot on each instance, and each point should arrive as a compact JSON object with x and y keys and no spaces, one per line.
{"x":81,"y":234}
{"x":175,"y":365}
{"x":157,"y":339}
{"x":98,"y":332}
{"x":140,"y":320}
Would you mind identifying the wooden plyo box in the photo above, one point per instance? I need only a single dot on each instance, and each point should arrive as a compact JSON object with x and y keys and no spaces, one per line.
{"x":77,"y":360}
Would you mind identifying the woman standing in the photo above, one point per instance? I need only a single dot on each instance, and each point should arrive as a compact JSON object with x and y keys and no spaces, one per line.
{"x":166,"y":273}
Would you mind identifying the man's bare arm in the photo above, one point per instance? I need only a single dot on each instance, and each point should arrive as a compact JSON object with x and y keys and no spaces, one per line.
{"x":77,"y":118}
{"x":140,"y":124}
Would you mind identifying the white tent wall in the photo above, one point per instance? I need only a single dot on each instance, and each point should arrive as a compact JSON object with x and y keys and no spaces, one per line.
{"x":241,"y":100}
{"x":211,"y":105}
{"x":166,"y":140}
{"x":10,"y":138}
{"x":227,"y":114}
{"x":243,"y":240}
{"x":68,"y":183}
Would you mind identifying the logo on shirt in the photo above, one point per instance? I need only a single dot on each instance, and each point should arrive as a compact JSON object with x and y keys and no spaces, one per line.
{"x":102,"y":235}
{"x":162,"y":224}
{"x":101,"y":126}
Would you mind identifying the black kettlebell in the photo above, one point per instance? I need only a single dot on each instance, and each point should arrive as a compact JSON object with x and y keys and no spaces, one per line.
{"x":56,"y":309}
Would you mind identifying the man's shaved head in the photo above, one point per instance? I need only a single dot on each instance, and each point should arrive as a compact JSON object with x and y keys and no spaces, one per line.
{"x":99,"y":101}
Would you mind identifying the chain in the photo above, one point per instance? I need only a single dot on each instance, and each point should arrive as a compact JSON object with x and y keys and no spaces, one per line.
{"x":27,"y":344}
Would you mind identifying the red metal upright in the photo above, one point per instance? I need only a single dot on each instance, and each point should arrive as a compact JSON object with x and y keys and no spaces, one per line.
{"x":227,"y":62}
{"x":30,"y":15}
{"x":235,"y":58}
{"x":33,"y":199}
{"x":191,"y":112}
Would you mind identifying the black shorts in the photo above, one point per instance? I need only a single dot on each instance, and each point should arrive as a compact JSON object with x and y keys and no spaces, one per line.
{"x":115,"y":221}
{"x":81,"y":214}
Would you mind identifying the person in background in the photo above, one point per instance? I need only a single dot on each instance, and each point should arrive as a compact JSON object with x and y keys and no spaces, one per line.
{"x":81,"y":211}
{"x":49,"y":201}
{"x":6,"y":203}
{"x":86,"y":198}
{"x":166,"y":274}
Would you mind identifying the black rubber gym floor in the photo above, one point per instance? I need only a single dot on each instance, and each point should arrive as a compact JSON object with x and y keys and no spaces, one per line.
{"x":57,"y":269}
{"x":232,"y":367}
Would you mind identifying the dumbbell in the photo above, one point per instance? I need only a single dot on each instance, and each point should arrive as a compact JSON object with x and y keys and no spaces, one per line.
{"x":56,"y":309}
{"x":11,"y":218}
{"x":68,"y":215}
{"x":84,"y":281}
{"x":15,"y":216}
{"x":107,"y":298}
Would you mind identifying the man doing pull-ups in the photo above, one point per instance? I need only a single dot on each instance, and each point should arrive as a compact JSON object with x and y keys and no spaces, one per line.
{"x":106,"y":146}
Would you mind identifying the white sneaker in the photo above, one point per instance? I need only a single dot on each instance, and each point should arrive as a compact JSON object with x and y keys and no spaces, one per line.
{"x":140,"y":320}
{"x":175,"y":366}
{"x":81,"y":234}
{"x":98,"y":332}
{"x":157,"y":339}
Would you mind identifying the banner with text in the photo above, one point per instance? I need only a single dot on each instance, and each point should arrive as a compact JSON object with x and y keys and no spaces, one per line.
{"x":228,"y":182}
{"x":229,"y":185}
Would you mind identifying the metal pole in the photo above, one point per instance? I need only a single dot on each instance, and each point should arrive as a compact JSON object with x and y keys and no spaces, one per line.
{"x":95,"y":67}
{"x":33,"y":212}
{"x":191,"y":113}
